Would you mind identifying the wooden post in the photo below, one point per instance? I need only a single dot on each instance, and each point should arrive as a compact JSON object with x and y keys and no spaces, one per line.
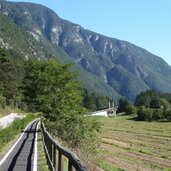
{"x":60,"y":162}
{"x":54,"y":157}
{"x":57,"y":160}
{"x":50,"y":150}
{"x":70,"y":168}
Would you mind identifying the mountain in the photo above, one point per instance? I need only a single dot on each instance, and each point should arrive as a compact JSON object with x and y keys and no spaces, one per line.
{"x":113,"y":67}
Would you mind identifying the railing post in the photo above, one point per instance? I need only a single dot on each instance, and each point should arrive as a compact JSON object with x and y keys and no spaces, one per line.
{"x":70,"y":168}
{"x":60,"y":162}
{"x":54,"y":157}
{"x":50,"y":149}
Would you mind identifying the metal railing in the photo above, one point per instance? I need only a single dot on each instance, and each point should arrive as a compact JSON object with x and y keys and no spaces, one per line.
{"x":55,"y":155}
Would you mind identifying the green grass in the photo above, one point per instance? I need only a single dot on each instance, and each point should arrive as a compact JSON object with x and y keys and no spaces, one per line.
{"x":133,"y":145}
{"x":9,"y":133}
{"x":107,"y":166}
{"x":42,"y":162}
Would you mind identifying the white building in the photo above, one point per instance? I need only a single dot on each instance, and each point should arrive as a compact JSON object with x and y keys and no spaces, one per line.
{"x":100,"y":113}
{"x":105,"y":112}
{"x":111,"y":111}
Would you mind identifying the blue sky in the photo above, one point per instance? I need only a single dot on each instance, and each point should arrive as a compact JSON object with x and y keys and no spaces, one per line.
{"x":146,"y":23}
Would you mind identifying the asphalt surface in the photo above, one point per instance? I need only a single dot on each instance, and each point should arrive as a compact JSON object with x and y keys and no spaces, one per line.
{"x":22,"y":156}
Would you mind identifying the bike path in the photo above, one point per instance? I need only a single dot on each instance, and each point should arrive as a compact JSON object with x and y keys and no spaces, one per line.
{"x":21,"y":157}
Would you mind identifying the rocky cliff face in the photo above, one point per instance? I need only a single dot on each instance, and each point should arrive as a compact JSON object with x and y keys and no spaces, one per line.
{"x":119,"y":66}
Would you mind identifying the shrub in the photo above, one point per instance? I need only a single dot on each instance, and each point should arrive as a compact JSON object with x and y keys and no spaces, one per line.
{"x":131,"y":109}
{"x":145,"y":114}
{"x":167,"y":114}
{"x":149,"y":114}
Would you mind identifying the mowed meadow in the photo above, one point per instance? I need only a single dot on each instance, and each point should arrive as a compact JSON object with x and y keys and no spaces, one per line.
{"x":135,"y":145}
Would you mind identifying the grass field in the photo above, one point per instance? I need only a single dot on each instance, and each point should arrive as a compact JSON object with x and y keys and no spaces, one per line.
{"x":134,"y":145}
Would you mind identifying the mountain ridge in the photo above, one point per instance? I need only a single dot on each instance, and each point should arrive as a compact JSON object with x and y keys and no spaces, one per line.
{"x":99,"y":57}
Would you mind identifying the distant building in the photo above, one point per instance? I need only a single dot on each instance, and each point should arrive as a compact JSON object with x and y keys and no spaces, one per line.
{"x":100,"y":113}
{"x":106,"y":112}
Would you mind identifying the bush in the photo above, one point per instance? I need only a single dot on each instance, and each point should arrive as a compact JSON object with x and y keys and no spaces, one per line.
{"x":131,"y":109}
{"x":149,"y":114}
{"x":145,"y":114}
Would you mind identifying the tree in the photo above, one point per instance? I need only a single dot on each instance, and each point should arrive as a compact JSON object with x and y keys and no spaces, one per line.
{"x":131,"y":109}
{"x":95,"y":101}
{"x":54,"y":90}
{"x":11,"y":76}
{"x":155,"y":102}
{"x":123,"y":105}
{"x":142,"y":100}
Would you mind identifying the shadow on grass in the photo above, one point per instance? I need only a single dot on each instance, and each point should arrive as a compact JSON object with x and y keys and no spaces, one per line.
{"x":164,"y":120}
{"x":32,"y":131}
{"x":135,"y":118}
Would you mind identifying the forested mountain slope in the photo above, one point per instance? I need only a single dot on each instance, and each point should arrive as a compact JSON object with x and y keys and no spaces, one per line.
{"x":108,"y":65}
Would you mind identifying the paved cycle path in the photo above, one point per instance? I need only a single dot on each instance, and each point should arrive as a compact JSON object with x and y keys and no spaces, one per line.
{"x":22,"y":157}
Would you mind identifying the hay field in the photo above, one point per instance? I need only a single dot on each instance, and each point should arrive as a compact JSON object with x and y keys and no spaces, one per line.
{"x":135,"y":146}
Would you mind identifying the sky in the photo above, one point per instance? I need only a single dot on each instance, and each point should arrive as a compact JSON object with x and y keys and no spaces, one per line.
{"x":145,"y":23}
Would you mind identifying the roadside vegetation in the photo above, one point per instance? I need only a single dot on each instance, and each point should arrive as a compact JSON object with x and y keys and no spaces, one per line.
{"x":8,"y":109}
{"x":7,"y":134}
{"x":42,"y":162}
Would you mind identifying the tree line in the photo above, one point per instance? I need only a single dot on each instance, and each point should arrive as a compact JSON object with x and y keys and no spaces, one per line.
{"x":149,"y":106}
{"x":94,"y":101}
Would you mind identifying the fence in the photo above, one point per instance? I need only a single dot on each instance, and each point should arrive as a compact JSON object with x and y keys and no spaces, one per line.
{"x":55,"y":155}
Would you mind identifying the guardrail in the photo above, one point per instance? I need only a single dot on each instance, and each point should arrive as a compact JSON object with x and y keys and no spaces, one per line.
{"x":54,"y":154}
